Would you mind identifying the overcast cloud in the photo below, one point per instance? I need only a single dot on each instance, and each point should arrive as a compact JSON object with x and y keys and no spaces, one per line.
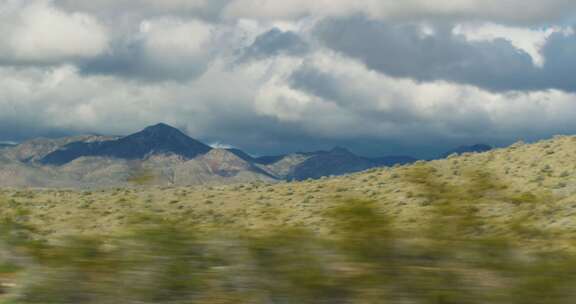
{"x":377,"y":76}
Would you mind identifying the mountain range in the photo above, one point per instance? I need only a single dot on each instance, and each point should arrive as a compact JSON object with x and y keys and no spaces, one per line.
{"x":164,"y":155}
{"x":6,"y":145}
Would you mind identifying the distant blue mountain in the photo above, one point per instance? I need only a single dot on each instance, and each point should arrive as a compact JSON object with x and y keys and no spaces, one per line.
{"x":243,"y":155}
{"x":337,"y":161}
{"x":157,"y":139}
{"x":6,"y":145}
{"x":268,"y":160}
{"x":164,"y":139}
{"x":389,"y":161}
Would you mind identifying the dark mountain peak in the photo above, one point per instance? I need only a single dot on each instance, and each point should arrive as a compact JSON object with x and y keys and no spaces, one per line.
{"x":160,"y":130}
{"x":340,"y":150}
{"x":160,"y":138}
{"x":160,"y":125}
{"x":157,"y":139}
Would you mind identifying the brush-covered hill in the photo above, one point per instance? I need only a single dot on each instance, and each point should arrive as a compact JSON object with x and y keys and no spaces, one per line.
{"x":531,"y":187}
{"x":492,"y":227}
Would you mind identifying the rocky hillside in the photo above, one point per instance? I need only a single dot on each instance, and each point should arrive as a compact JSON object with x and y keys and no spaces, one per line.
{"x":154,"y":140}
{"x":314,"y":165}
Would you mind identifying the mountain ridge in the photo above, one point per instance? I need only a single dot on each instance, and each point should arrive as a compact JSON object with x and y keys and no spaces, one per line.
{"x":156,"y":139}
{"x":171,"y":157}
{"x":6,"y":145}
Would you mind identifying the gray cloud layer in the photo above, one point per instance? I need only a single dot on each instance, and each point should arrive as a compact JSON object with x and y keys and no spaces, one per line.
{"x":380,"y":76}
{"x":273,"y":43}
{"x":405,"y":51}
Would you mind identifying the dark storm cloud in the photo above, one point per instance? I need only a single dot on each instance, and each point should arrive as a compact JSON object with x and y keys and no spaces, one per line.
{"x":394,"y":107}
{"x":273,"y":43}
{"x":123,"y":59}
{"x":22,"y":130}
{"x":560,"y":63}
{"x":159,"y":49}
{"x":331,"y":88}
{"x":402,"y":50}
{"x":131,"y":61}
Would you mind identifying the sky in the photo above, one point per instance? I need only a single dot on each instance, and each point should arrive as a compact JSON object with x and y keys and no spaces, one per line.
{"x":379,"y":77}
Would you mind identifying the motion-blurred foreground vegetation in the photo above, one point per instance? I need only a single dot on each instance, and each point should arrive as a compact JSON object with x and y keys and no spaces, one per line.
{"x":455,"y":258}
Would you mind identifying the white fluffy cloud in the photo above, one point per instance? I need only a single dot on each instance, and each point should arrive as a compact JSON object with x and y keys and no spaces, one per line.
{"x":175,"y":46}
{"x":37,"y":32}
{"x":527,"y":39}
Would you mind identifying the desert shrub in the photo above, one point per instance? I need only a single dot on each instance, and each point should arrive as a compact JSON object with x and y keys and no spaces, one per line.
{"x":141,"y":177}
{"x":524,"y":198}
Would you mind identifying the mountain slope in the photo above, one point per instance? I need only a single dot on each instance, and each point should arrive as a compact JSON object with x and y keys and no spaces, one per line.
{"x":6,"y":145}
{"x":163,"y":154}
{"x":158,"y":139}
{"x":337,"y":161}
{"x":243,"y":155}
{"x":36,"y":149}
{"x":314,"y":165}
{"x":219,"y":166}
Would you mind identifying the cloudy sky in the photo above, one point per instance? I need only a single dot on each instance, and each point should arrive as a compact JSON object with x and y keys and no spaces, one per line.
{"x":376,"y":76}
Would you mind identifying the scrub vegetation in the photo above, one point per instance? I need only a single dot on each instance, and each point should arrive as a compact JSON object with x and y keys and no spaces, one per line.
{"x":450,"y":231}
